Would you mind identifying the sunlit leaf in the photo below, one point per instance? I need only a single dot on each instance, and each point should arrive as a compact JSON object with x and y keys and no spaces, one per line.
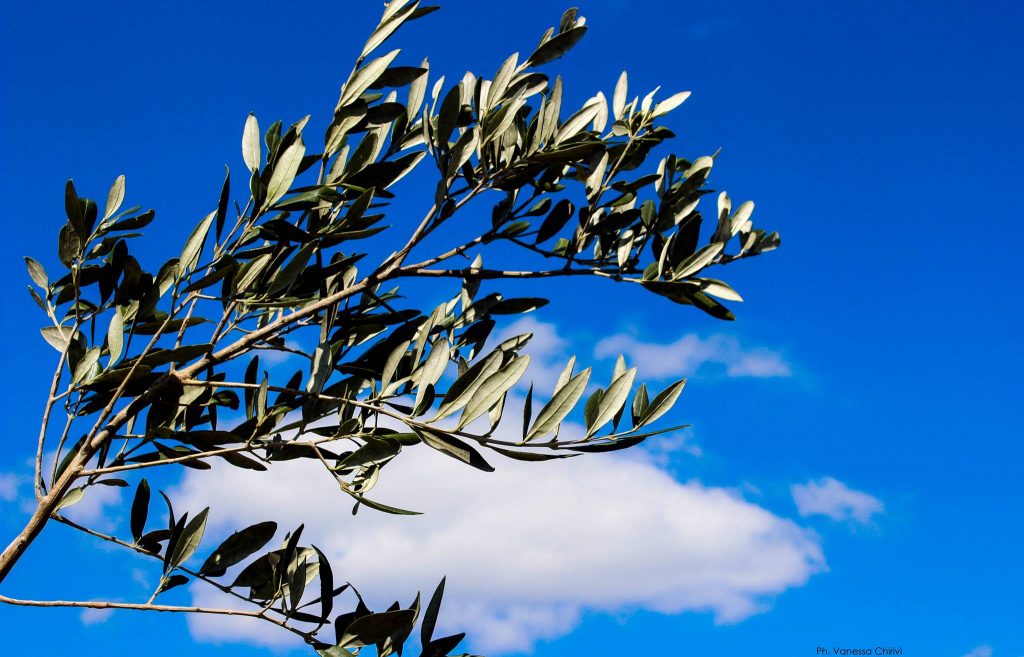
{"x":492,"y":389}
{"x":662,"y":403}
{"x":285,"y":169}
{"x":560,"y":405}
{"x":612,"y":400}
{"x":251,"y":145}
{"x":115,"y":197}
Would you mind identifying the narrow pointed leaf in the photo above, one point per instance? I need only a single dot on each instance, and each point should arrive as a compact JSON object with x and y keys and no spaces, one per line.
{"x":577,"y":122}
{"x":73,"y":496}
{"x":619,"y":97}
{"x":527,"y":411}
{"x":222,"y":203}
{"x":529,"y":456}
{"x":115,"y":336}
{"x":611,"y":401}
{"x":492,"y":389}
{"x":285,"y":169}
{"x":374,"y":451}
{"x":252,"y":150}
{"x":115,"y":197}
{"x":430,"y":614}
{"x":560,"y":405}
{"x":557,"y":46}
{"x":453,"y":447}
{"x":194,"y":246}
{"x":670,"y":103}
{"x":566,"y":374}
{"x":326,"y":585}
{"x":556,"y":220}
{"x":698,"y":261}
{"x":364,"y":77}
{"x":463,"y":389}
{"x":237,"y":547}
{"x":189,"y":539}
{"x":140,"y":510}
{"x":662,"y":403}
{"x":377,"y":506}
{"x":720,"y":289}
{"x":73,"y":209}
{"x":433,"y":368}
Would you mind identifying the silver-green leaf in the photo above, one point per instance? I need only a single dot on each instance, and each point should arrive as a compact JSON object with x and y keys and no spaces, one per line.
{"x":611,"y":401}
{"x":252,"y":151}
{"x":560,"y":405}
{"x":114,"y":198}
{"x":662,"y":403}
{"x":364,"y":77}
{"x":492,"y":389}
{"x":194,"y":246}
{"x":285,"y":170}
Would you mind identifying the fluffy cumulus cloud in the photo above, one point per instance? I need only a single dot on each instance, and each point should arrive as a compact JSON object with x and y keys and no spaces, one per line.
{"x":832,"y":498}
{"x":691,"y":353}
{"x":980,"y":651}
{"x":526,"y":549}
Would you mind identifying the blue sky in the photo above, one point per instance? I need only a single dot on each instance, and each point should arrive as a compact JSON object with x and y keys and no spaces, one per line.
{"x":881,"y":139}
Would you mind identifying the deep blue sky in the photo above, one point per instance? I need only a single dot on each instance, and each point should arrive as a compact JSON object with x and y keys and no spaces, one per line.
{"x":882,"y":139}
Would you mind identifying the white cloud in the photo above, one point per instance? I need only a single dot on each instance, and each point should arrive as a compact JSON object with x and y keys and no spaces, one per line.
{"x":94,"y":508}
{"x":663,"y":449}
{"x":527,"y":549}
{"x":832,"y":498}
{"x":547,"y":350}
{"x":95,"y":616}
{"x":980,"y":651}
{"x":690,"y":353}
{"x":233,"y":629}
{"x":9,"y":485}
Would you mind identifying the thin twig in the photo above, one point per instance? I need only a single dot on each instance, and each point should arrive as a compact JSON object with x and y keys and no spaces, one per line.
{"x":471,"y":273}
{"x":203,"y":578}
{"x":95,"y":604}
{"x":249,"y":447}
{"x":50,"y":401}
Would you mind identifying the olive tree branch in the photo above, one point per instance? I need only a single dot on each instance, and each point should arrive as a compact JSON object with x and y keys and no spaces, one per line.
{"x":471,"y":273}
{"x":405,"y":419}
{"x":52,"y":398}
{"x":60,"y":446}
{"x":249,"y":447}
{"x":135,"y":548}
{"x":91,"y":604}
